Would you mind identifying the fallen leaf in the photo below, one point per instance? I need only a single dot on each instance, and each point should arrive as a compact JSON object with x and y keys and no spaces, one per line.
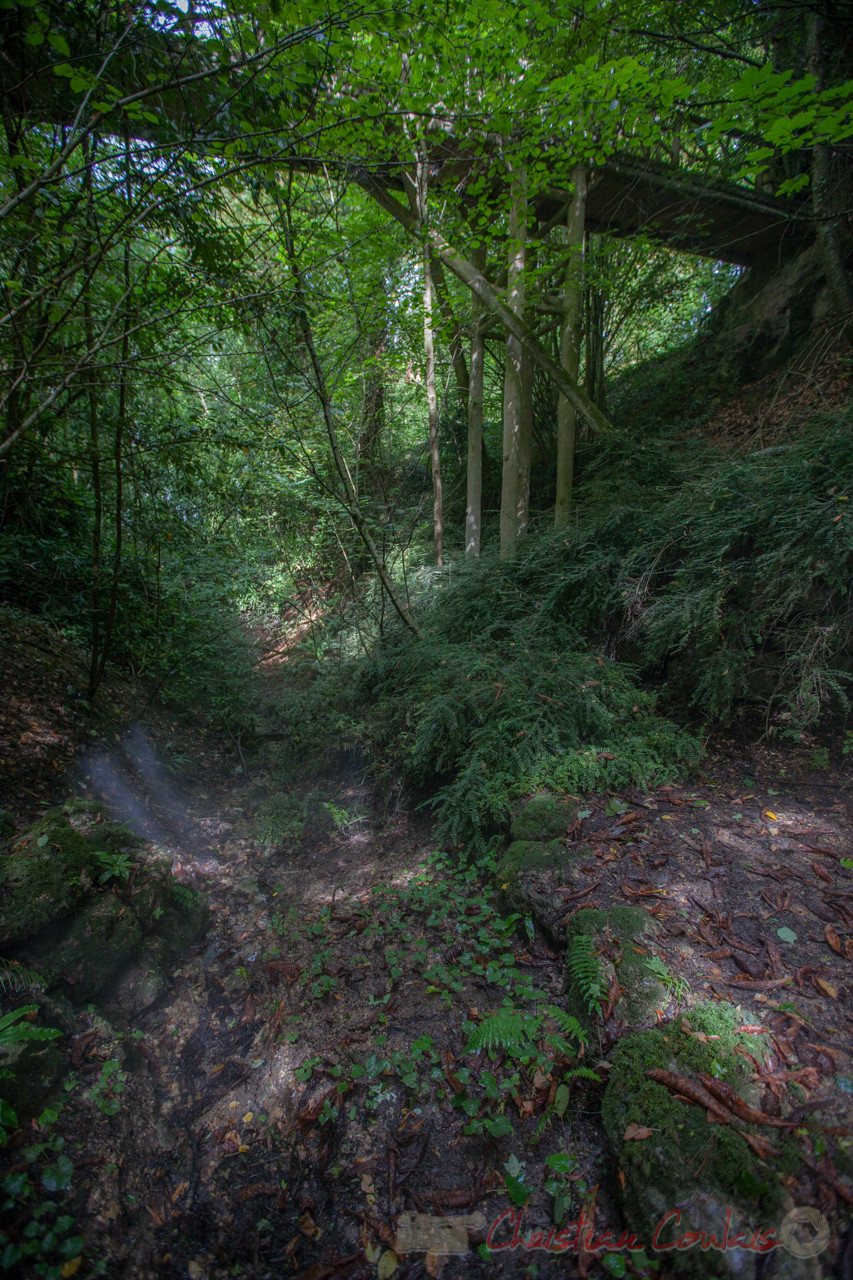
{"x":388,"y":1264}
{"x":636,"y":1133}
{"x":827,"y":988}
{"x":840,"y":948}
{"x":308,"y":1226}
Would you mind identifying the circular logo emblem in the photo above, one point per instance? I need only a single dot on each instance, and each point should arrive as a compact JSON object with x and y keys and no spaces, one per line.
{"x":804,"y":1232}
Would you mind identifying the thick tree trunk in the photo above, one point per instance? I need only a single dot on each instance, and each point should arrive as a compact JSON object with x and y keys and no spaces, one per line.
{"x":825,"y":185}
{"x":474,"y":497}
{"x":570,"y":347}
{"x":483,"y":290}
{"x":513,"y":391}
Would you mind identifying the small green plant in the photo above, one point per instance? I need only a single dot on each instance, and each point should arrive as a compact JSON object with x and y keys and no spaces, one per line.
{"x":676,"y":986}
{"x":819,"y":759}
{"x":847,"y":745}
{"x":107,"y":1090}
{"x":114,"y":866}
{"x":561,"y":1181}
{"x":516,"y":1188}
{"x":341,"y":818}
{"x":305,"y":1072}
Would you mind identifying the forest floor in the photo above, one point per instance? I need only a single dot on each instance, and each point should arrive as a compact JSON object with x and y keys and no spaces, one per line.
{"x":293,"y":1104}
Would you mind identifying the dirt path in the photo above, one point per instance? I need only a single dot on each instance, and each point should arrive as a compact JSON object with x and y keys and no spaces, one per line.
{"x":371,"y":1044}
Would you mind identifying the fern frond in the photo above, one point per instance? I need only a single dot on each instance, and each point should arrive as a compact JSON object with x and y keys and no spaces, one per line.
{"x":505,"y":1030}
{"x":15,"y":977}
{"x":566,"y":1024}
{"x":582,"y":1073}
{"x":587,"y":972}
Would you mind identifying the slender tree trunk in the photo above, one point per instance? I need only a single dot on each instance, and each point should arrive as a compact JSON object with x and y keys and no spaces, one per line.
{"x":429,"y":351}
{"x":525,"y":445}
{"x":570,"y":346}
{"x":513,"y":372}
{"x":441,"y":295}
{"x":474,"y":497}
{"x":594,"y":324}
{"x":350,"y":498}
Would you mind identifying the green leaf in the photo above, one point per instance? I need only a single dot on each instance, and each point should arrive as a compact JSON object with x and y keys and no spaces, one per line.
{"x":57,"y":1176}
{"x":787,"y":935}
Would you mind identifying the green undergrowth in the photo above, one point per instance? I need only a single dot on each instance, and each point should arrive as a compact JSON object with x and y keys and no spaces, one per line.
{"x":695,"y":585}
{"x":491,"y":718}
{"x":440,"y":935}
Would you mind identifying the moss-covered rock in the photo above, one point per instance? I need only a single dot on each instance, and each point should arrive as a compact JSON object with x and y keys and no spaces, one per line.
{"x":530,"y":877}
{"x":531,"y":855}
{"x":83,"y":953}
{"x":687,"y":1164}
{"x":607,"y":944}
{"x":44,"y":878}
{"x":95,"y":910}
{"x":29,"y":1074}
{"x":545,"y":817}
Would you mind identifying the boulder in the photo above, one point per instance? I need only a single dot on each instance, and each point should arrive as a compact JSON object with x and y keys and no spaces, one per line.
{"x":677,"y":1171}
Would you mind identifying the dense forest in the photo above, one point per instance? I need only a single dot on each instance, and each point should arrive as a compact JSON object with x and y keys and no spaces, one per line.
{"x":426,"y":588}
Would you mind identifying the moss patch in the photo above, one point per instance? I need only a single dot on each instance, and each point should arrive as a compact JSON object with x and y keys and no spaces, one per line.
{"x":44,"y":878}
{"x":531,"y":855}
{"x":687,"y":1163}
{"x":545,"y":817}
